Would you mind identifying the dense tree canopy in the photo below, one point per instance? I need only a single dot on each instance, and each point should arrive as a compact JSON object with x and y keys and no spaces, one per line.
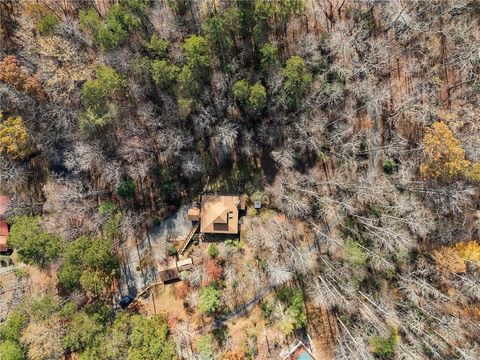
{"x":34,"y":246}
{"x":351,"y":130}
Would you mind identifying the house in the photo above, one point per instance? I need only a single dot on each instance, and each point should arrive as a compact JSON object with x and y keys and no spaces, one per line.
{"x":219,"y":214}
{"x":173,"y":269}
{"x":4,"y":200}
{"x":299,"y":351}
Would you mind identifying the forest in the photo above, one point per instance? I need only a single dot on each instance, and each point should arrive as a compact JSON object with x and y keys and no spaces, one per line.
{"x":348,"y":130}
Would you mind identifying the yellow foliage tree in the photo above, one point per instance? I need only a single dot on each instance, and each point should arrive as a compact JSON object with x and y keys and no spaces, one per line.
{"x":469,"y":251}
{"x":473,"y":172}
{"x":13,"y":138}
{"x":444,"y":155}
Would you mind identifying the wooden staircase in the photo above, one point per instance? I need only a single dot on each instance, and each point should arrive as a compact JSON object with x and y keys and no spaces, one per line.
{"x":187,"y":240}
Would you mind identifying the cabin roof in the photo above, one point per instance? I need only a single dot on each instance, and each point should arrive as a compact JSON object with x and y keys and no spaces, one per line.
{"x":219,"y":214}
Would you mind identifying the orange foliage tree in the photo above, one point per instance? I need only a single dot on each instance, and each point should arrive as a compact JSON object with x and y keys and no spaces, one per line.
{"x":214,"y":270}
{"x":232,"y":355}
{"x":444,"y":155}
{"x":454,"y":259}
{"x":182,"y":290}
{"x":15,"y":75}
{"x":448,"y":260}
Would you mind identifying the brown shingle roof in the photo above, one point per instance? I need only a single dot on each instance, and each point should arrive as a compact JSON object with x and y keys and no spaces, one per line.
{"x":172,"y":270}
{"x":219,"y":214}
{"x":169,"y":272}
{"x":194,"y":214}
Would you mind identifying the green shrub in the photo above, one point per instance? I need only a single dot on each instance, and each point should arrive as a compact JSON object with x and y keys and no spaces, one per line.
{"x":112,"y":32}
{"x":107,"y":82}
{"x":253,"y":98}
{"x":172,"y":250}
{"x":205,"y":347}
{"x":353,"y":254}
{"x":156,"y":47}
{"x":384,"y":348}
{"x":293,"y":298}
{"x":91,"y":119}
{"x":268,"y":56}
{"x":20,"y":272}
{"x":164,"y":74}
{"x":12,"y":328}
{"x":216,"y":33}
{"x":107,"y":207}
{"x":266,"y":309}
{"x":185,"y":107}
{"x":41,"y":308}
{"x":389,"y":166}
{"x":241,"y":90}
{"x":89,"y":263}
{"x":188,"y":86}
{"x":213,"y":251}
{"x":97,"y":94}
{"x":296,"y":81}
{"x":257,"y":98}
{"x":126,"y":188}
{"x":47,"y":24}
{"x":11,"y":350}
{"x":472,"y":173}
{"x":111,"y":226}
{"x":197,"y":52}
{"x":136,"y":6}
{"x":263,"y":10}
{"x":209,"y":300}
{"x":33,"y":245}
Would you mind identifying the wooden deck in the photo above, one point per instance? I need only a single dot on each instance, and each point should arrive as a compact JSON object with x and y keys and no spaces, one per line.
{"x":187,"y":240}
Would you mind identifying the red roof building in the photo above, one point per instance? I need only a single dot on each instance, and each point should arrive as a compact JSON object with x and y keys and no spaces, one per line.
{"x":3,"y":236}
{"x":4,"y":200}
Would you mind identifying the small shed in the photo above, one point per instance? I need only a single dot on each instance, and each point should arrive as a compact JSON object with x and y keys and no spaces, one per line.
{"x":169,"y":272}
{"x":185,"y":264}
{"x":173,"y":269}
{"x":193,"y":214}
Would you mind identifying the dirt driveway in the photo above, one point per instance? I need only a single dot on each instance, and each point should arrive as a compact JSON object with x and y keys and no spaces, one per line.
{"x":140,"y":266}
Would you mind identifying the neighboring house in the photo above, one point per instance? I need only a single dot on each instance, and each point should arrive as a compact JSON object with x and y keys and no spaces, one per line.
{"x":299,"y":351}
{"x":4,"y":200}
{"x":218,"y":214}
{"x":173,"y":269}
